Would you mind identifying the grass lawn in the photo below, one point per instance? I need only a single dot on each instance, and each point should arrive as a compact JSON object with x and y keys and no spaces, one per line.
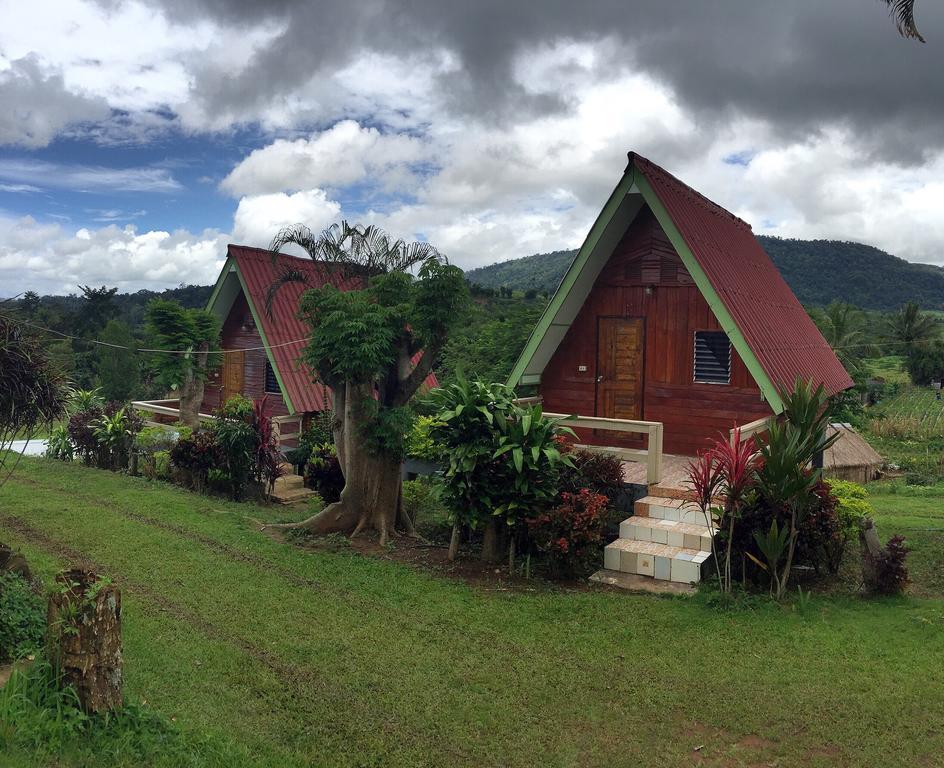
{"x":917,"y":513}
{"x":333,"y":658}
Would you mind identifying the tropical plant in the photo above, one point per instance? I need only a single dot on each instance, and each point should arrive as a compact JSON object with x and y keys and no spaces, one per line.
{"x":785,"y":478}
{"x":705,"y":479}
{"x":843,"y":327}
{"x":114,"y":432}
{"x":374,"y":345}
{"x":236,"y":440}
{"x":267,"y":458}
{"x":85,"y":400}
{"x":419,"y":442}
{"x":772,"y":545}
{"x":59,"y":445}
{"x":737,"y":464}
{"x":910,"y":328}
{"x":31,"y":392}
{"x":22,"y":618}
{"x":82,"y":432}
{"x":195,"y":454}
{"x":189,"y":336}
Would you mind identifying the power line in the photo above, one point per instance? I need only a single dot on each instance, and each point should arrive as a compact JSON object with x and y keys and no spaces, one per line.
{"x":159,"y":351}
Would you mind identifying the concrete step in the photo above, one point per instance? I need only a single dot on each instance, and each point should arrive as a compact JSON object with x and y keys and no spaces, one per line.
{"x":660,"y":561}
{"x":671,"y":532}
{"x":291,"y":497}
{"x":289,"y":483}
{"x":661,"y":508}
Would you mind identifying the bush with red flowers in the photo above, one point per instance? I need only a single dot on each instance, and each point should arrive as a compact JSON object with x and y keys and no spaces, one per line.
{"x":570,"y":535}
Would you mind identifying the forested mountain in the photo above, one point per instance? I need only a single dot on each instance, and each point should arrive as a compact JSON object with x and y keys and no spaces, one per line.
{"x":818,"y":271}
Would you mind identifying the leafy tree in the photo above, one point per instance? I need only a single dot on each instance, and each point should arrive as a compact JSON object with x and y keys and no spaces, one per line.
{"x":32,"y":395}
{"x":374,"y":346}
{"x":118,"y":367}
{"x":189,"y":335}
{"x":911,"y":328}
{"x":97,"y":308}
{"x":926,"y":363}
{"x":843,"y":327}
{"x":30,"y":303}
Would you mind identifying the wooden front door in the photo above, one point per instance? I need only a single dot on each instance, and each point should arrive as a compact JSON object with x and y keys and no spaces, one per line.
{"x":620,"y":345}
{"x":234,"y":368}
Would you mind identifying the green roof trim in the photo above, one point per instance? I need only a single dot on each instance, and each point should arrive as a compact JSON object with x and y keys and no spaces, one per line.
{"x":767,"y":387}
{"x":635,"y":181}
{"x":570,"y":278}
{"x":231,"y":264}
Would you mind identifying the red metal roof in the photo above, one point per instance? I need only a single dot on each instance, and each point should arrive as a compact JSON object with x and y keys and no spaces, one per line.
{"x":774,"y":324}
{"x":284,"y":332}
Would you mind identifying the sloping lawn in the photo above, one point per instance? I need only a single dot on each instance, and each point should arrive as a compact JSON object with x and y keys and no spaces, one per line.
{"x":917,"y":513}
{"x":332,"y":658}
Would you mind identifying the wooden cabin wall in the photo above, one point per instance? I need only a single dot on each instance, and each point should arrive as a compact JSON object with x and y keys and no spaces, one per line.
{"x":692,"y":413}
{"x":239,"y":332}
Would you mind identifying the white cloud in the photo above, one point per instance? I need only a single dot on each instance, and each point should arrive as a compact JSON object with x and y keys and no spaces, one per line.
{"x":259,"y":217}
{"x":37,"y":105}
{"x":85,"y":178}
{"x":343,"y":155}
{"x":50,"y":259}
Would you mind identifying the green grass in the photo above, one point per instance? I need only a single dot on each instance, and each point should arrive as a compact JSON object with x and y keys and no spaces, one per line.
{"x":889,"y":368}
{"x":330,"y":658}
{"x":908,"y":430}
{"x":917,"y":513}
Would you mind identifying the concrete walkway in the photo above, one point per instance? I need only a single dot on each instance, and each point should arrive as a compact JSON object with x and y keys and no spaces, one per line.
{"x":32,"y":447}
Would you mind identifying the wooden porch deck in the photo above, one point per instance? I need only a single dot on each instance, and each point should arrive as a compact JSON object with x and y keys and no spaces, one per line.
{"x":674,"y":483}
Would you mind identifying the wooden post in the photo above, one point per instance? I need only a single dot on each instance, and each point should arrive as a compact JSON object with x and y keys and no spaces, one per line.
{"x":84,"y":638}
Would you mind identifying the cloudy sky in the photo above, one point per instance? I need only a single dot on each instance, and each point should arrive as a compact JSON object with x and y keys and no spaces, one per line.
{"x":137,"y":139}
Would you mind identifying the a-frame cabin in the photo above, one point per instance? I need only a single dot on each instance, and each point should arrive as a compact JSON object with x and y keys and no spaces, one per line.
{"x":672,"y":312}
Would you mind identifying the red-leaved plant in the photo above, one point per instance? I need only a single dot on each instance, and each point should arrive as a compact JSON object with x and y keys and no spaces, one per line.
{"x":727,"y":469}
{"x":570,"y":534}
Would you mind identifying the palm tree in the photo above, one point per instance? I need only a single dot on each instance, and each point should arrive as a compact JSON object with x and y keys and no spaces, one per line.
{"x":910,"y":328}
{"x":843,"y":328}
{"x":903,"y":13}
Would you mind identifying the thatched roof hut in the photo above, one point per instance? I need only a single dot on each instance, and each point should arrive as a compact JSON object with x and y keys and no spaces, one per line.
{"x":851,"y":457}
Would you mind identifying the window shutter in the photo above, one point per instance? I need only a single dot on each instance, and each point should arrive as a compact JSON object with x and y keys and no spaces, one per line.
{"x":271,"y":382}
{"x":712,"y":357}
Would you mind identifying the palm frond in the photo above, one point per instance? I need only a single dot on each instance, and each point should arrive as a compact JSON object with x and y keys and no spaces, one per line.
{"x":287,"y":276}
{"x":902,"y":11}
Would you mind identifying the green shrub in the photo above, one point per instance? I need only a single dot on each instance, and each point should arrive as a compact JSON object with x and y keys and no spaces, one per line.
{"x":236,"y":407}
{"x":323,"y":473}
{"x":853,"y":504}
{"x":22,"y":618}
{"x":59,"y":445}
{"x":419,"y":442}
{"x":570,"y":534}
{"x":162,"y":465}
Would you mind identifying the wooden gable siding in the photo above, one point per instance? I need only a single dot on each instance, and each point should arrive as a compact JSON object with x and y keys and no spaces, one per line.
{"x":239,"y":332}
{"x":692,"y":413}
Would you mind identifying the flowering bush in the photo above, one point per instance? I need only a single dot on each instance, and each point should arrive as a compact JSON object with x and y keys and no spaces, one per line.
{"x":570,"y":535}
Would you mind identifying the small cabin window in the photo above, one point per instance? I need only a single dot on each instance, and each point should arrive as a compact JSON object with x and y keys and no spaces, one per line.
{"x":712,"y":357}
{"x":271,"y":382}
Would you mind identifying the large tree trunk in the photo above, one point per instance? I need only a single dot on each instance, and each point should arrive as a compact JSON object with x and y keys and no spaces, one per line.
{"x":191,"y":389}
{"x":370,"y":499}
{"x":84,"y":637}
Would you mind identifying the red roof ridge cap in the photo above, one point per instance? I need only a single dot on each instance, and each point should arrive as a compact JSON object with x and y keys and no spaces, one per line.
{"x":714,"y":207}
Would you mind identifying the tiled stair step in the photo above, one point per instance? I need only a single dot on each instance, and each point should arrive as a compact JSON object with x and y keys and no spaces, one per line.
{"x":671,"y":532}
{"x":289,"y":482}
{"x":669,"y":509}
{"x":660,"y":561}
{"x":291,"y":496}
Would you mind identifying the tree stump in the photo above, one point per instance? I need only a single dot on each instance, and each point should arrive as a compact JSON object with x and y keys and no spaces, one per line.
{"x":84,"y":635}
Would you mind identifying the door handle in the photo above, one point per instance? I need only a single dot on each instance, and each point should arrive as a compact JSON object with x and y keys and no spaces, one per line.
{"x":599,"y":378}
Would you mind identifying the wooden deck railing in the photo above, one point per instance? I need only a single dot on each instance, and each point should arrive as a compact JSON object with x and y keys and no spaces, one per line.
{"x":172,"y":408}
{"x":277,"y":427}
{"x":163,"y":408}
{"x":651,"y":455}
{"x":752,"y":428}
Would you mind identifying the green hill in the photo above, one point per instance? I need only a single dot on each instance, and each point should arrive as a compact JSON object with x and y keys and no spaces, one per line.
{"x":818,"y":271}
